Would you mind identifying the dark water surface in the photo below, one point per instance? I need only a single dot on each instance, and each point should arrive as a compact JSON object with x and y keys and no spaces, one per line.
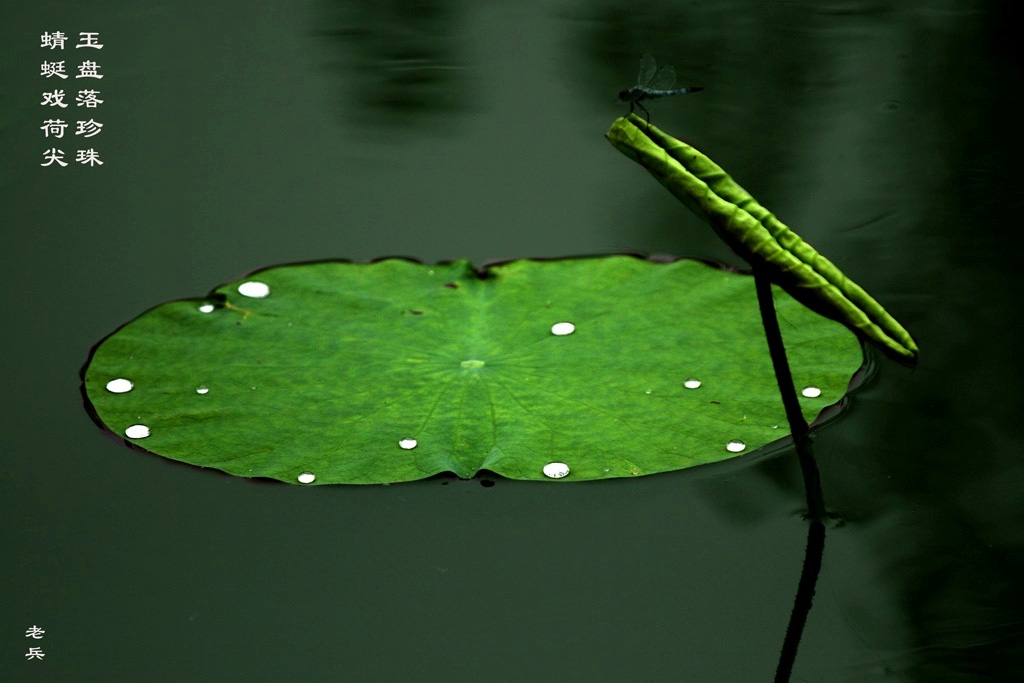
{"x":238,"y":135}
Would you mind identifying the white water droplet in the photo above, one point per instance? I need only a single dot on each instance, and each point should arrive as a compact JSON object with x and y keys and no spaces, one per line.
{"x":306,"y":478}
{"x":556,"y":470}
{"x":137,"y":432}
{"x":254,"y":289}
{"x":407,"y":444}
{"x":562,"y":329}
{"x":735,"y":446}
{"x":775,"y":426}
{"x":811,"y":392}
{"x":648,"y":392}
{"x":120,"y":386}
{"x":202,"y":390}
{"x":207,"y":308}
{"x":692,"y":383}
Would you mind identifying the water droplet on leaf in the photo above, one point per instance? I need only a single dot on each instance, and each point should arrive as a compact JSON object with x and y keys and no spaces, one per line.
{"x":120,"y":385}
{"x":408,"y":444}
{"x":562,"y":329}
{"x":735,"y":446}
{"x":556,"y":470}
{"x":811,"y":392}
{"x":137,"y":432}
{"x":692,"y":383}
{"x":202,"y":390}
{"x":207,"y":308}
{"x":306,"y":478}
{"x":254,"y":289}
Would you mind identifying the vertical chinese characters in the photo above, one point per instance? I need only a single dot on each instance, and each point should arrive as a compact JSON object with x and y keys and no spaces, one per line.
{"x":88,"y":97}
{"x":34,"y":653}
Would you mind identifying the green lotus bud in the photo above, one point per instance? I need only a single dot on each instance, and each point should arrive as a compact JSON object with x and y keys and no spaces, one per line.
{"x":755,"y":234}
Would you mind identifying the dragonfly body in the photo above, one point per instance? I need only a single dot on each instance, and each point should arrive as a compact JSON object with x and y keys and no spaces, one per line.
{"x":651,"y":84}
{"x":636,"y":94}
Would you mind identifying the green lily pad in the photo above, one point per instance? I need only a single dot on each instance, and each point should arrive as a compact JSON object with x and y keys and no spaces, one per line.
{"x":393,"y":370}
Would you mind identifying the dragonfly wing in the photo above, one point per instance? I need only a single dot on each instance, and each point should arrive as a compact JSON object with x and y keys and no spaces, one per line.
{"x":665,"y":79}
{"x":647,"y":69}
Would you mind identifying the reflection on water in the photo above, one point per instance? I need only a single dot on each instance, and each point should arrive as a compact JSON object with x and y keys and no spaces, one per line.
{"x":398,"y":63}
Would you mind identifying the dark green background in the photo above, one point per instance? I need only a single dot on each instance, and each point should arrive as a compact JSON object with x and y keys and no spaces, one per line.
{"x":239,"y":135}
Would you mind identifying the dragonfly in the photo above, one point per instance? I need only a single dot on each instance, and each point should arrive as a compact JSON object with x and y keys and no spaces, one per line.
{"x":652,"y":83}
